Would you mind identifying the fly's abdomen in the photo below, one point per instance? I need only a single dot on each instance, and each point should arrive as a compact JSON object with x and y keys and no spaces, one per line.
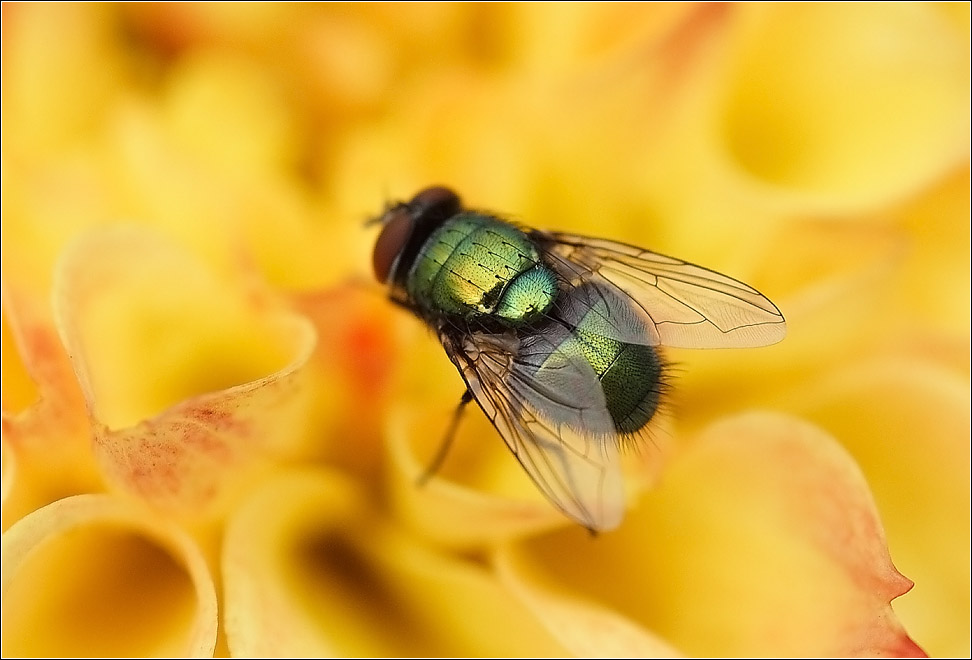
{"x":630,"y":376}
{"x":475,"y":265}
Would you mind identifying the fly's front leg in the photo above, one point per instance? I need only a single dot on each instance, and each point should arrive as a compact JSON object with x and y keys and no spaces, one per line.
{"x":446,"y":443}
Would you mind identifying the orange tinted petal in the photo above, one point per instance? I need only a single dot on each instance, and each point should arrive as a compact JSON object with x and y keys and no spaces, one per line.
{"x":762,"y":540}
{"x":187,"y":382}
{"x":46,"y":433}
{"x":906,"y":421}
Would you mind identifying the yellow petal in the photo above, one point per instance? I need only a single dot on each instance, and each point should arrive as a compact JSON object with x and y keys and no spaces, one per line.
{"x":761,"y":540}
{"x":354,"y":365}
{"x":90,"y":576}
{"x":571,"y":38}
{"x":62,"y":69}
{"x":832,"y":282}
{"x":907,"y":424}
{"x":188,"y":383}
{"x":586,"y":629}
{"x":473,"y":500}
{"x":309,"y":571}
{"x":481,"y":494}
{"x":809,"y":93}
{"x":19,"y":388}
{"x":8,"y":471}
{"x":934,"y":285}
{"x":213,"y":99}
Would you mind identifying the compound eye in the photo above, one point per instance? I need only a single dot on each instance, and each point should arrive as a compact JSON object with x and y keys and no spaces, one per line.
{"x":391,"y":241}
{"x":438,"y":200}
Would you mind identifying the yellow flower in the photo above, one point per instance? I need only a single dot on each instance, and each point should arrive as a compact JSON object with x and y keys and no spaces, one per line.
{"x":213,"y":420}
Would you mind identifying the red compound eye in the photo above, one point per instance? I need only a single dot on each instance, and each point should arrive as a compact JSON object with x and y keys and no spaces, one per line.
{"x":426,"y":210}
{"x":391,"y":241}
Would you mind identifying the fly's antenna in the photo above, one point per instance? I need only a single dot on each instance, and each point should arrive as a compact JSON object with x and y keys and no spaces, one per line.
{"x":371,"y":222}
{"x":388,"y":206}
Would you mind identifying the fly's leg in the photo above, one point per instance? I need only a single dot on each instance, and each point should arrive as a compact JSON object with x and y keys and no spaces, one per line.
{"x":446,"y":443}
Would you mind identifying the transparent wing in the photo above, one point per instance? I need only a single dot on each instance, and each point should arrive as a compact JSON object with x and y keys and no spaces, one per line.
{"x":672,"y":302}
{"x":550,"y":410}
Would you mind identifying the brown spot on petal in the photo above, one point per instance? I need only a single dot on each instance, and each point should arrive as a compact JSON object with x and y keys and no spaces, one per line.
{"x":194,"y":386}
{"x":46,"y":428}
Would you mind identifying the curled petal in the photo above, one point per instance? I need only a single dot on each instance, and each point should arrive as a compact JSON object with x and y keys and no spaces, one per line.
{"x":308,"y":571}
{"x":89,"y":575}
{"x":188,"y":384}
{"x":761,"y":540}
{"x":481,"y":495}
{"x":46,"y":433}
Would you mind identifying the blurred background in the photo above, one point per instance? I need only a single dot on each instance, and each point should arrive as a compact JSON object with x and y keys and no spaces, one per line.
{"x":817,"y":152}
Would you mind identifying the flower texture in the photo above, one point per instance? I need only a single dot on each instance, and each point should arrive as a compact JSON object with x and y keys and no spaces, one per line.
{"x":213,"y":419}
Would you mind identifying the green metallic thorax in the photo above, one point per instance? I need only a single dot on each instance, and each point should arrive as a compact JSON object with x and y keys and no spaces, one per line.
{"x":476,"y":265}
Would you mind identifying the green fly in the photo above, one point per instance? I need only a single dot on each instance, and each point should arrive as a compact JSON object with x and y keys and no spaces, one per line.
{"x":556,"y":335}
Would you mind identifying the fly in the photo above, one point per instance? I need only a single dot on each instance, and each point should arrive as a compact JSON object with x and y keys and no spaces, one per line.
{"x":557,"y":335}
